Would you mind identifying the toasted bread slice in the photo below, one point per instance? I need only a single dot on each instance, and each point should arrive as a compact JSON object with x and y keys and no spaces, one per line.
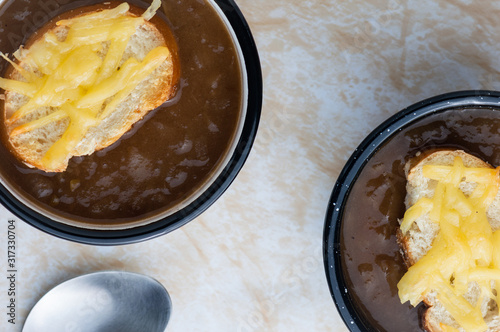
{"x":31,"y":146}
{"x":419,"y":238}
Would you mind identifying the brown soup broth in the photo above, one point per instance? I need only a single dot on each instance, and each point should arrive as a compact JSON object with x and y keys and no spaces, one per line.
{"x":165,"y":157}
{"x":371,"y":257}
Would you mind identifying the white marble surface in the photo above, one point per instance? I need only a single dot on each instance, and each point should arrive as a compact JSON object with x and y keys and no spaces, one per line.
{"x":333,"y":70}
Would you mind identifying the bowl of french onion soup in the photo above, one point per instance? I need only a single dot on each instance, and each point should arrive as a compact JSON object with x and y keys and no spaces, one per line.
{"x":412,"y":231}
{"x":122,"y":121}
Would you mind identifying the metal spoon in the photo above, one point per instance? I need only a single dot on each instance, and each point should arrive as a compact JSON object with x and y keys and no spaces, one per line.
{"x":102,"y":302}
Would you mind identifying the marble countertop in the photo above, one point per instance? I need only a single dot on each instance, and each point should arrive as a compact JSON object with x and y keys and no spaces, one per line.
{"x":332,"y":71}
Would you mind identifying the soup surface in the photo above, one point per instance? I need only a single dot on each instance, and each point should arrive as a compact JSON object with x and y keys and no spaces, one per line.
{"x":370,"y":254}
{"x":165,"y":157}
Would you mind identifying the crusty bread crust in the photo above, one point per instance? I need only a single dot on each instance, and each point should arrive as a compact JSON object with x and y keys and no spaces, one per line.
{"x":418,"y":240}
{"x":158,"y":87}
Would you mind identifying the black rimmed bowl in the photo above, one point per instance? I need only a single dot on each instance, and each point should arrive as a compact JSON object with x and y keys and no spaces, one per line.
{"x":218,"y":180}
{"x":362,"y":259}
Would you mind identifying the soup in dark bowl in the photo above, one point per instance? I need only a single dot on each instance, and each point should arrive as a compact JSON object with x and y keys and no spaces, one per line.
{"x":173,"y":163}
{"x":362,"y":256}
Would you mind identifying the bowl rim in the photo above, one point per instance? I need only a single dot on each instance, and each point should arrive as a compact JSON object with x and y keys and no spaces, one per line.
{"x":179,"y":218}
{"x":353,"y":319}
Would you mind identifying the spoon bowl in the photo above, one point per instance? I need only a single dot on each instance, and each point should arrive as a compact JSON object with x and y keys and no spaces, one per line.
{"x":102,"y":302}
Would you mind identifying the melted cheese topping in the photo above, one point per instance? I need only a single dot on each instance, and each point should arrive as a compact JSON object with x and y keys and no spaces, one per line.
{"x":74,"y":77}
{"x":465,"y":249}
